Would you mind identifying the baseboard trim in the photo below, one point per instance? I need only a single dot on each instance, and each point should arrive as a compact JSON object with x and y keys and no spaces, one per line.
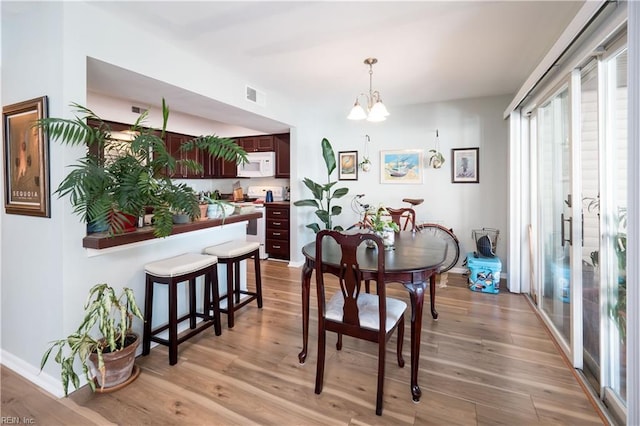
{"x":34,"y":375}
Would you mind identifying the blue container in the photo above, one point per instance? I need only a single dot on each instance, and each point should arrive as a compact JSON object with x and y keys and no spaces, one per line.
{"x":484,"y":273}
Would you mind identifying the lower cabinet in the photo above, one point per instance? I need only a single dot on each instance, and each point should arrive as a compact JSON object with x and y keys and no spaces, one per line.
{"x":277,"y":230}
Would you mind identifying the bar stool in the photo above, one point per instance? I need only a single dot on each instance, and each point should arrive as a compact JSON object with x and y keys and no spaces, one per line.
{"x":172,"y":271}
{"x":230,"y":254}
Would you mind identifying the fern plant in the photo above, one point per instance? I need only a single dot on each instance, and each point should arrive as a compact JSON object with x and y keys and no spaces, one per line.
{"x":113,"y":180}
{"x":323,"y":196}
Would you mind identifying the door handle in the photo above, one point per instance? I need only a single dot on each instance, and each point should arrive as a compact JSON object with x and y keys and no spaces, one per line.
{"x":562,"y":238}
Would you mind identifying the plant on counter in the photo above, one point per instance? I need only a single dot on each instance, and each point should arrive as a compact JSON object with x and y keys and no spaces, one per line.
{"x":324,"y":210}
{"x":118,"y":178}
{"x":113,"y":316}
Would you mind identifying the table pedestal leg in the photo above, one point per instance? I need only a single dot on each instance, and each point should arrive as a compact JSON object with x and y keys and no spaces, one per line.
{"x":416,"y":292}
{"x":307,"y":269}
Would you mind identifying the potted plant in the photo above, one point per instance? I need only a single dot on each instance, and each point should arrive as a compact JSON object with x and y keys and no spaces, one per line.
{"x":324,"y":210}
{"x":115,"y":178}
{"x":109,"y":356}
{"x":365,"y":164}
{"x":436,"y":160}
{"x":381,"y":223}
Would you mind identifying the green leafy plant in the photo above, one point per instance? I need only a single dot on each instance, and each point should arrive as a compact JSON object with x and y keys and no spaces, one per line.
{"x":436,"y":160}
{"x":323,"y":195}
{"x":618,"y":310}
{"x":117,"y":178}
{"x":380,"y":220}
{"x":113,"y":316}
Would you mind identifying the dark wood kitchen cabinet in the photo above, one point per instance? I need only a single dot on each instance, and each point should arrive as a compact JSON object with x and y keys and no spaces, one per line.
{"x":219,"y":168}
{"x":173,"y":142}
{"x":277,"y":230}
{"x":283,"y":158}
{"x":262,"y":143}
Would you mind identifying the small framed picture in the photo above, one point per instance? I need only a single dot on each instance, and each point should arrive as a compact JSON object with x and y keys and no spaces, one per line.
{"x":26,"y":154}
{"x":401,"y":166}
{"x":348,"y":165}
{"x":465,"y":167}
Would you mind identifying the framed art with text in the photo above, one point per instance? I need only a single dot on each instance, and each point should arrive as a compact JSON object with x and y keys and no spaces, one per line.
{"x":26,"y":155}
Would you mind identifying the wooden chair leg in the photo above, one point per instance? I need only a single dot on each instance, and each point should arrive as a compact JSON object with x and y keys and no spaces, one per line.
{"x":192,"y":303}
{"x":339,"y":342}
{"x":381,"y":361}
{"x":400,"y":341}
{"x":322,"y":336}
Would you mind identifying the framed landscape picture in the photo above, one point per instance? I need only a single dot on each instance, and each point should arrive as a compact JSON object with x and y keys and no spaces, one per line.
{"x":465,"y":167}
{"x":401,"y":166}
{"x":348,"y":165}
{"x":26,"y":154}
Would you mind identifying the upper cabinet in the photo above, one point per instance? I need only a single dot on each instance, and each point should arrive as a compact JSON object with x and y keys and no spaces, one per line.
{"x":174,"y":141}
{"x":282,"y":146}
{"x":262,"y":143}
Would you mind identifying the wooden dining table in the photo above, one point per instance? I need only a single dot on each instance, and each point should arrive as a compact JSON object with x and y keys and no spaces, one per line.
{"x":413,"y":261}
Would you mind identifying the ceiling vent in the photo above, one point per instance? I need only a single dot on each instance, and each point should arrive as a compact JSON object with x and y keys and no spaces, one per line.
{"x":138,"y":110}
{"x":255,"y":96}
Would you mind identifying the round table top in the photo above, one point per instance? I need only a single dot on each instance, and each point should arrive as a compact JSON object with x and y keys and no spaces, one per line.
{"x":417,"y":251}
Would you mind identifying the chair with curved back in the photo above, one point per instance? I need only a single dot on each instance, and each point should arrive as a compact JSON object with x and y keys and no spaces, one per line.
{"x":350,"y":311}
{"x":404,"y":217}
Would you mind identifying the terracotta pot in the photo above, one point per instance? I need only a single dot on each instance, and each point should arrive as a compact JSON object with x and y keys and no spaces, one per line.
{"x":203,"y":211}
{"x":118,"y":365}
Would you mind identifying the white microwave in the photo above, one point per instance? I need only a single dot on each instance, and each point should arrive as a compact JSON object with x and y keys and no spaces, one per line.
{"x":259,"y":164}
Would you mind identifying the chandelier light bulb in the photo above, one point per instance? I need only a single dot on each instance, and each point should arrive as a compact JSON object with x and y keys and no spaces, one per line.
{"x":375,"y":110}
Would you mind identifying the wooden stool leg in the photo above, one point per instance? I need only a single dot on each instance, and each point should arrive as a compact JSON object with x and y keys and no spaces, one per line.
{"x":148,"y":308}
{"x":236,"y":281}
{"x":230,"y":294}
{"x":256,"y":257}
{"x":192,"y":303}
{"x":173,"y":322}
{"x":215,"y":304}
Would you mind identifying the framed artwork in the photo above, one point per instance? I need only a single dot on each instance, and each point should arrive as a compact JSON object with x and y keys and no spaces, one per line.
{"x":26,"y":154}
{"x":465,"y":167}
{"x":401,"y":166}
{"x":348,"y":165}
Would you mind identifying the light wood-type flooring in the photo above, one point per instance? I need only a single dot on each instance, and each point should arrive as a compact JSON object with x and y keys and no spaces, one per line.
{"x":488,"y":360}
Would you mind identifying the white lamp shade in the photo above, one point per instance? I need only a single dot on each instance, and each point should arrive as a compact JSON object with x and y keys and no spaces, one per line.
{"x":357,"y":112}
{"x":378,"y":112}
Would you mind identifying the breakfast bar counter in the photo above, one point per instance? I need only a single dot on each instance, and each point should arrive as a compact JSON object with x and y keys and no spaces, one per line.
{"x":103,"y":240}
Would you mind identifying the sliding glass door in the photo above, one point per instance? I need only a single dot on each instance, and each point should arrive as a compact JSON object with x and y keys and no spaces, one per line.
{"x":554,"y":211}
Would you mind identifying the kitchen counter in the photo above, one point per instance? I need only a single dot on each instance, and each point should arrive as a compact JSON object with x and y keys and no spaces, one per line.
{"x":102,"y":240}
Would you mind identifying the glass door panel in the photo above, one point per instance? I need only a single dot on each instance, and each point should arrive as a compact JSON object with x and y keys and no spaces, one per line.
{"x":590,"y":223}
{"x":555,"y":221}
{"x":614,"y":207}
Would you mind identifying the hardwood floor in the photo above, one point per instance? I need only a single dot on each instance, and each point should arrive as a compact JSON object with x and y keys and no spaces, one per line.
{"x":487,"y":361}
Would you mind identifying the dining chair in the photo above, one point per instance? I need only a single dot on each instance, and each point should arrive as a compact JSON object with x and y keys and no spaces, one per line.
{"x":404,"y":217}
{"x":352,"y":312}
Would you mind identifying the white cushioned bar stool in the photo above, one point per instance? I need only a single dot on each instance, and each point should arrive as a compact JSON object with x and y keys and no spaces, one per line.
{"x":172,"y":271}
{"x":231,"y":254}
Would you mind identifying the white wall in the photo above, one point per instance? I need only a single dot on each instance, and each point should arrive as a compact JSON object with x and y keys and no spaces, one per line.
{"x":45,"y":271}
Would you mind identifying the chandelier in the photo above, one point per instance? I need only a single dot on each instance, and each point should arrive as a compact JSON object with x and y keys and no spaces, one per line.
{"x":375,"y":111}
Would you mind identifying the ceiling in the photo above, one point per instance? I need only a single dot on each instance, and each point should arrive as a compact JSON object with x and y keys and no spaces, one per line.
{"x":427,"y":51}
